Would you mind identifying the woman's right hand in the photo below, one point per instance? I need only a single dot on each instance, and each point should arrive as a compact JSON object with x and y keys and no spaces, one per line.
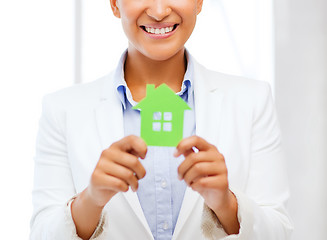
{"x":118,"y":169}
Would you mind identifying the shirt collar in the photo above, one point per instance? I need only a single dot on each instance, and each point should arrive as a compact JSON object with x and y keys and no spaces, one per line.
{"x":125,"y":95}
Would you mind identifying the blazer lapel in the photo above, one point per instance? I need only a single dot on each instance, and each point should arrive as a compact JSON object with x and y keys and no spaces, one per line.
{"x":190,"y":199}
{"x":109,"y":114}
{"x":207,"y":115}
{"x":135,"y":205}
{"x":208,"y":104}
{"x":109,"y":119}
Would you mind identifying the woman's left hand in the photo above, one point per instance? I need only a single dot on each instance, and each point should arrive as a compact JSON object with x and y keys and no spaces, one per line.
{"x":204,"y":170}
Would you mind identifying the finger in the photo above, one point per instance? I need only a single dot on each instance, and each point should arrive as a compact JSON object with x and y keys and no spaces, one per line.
{"x":122,"y":173}
{"x":191,"y":160}
{"x":214,"y":182}
{"x":134,"y":145}
{"x":199,"y":170}
{"x":187,"y":145}
{"x":127,"y":160}
{"x":133,"y":163}
{"x":186,"y":153}
{"x":114,"y":184}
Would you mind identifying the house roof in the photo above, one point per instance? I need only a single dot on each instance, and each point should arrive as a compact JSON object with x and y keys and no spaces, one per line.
{"x":162,"y":98}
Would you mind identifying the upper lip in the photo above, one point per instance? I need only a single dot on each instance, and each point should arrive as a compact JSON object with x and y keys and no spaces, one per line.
{"x":159,"y":25}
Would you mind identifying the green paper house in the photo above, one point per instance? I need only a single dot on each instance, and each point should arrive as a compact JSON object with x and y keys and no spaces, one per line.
{"x":162,"y":116}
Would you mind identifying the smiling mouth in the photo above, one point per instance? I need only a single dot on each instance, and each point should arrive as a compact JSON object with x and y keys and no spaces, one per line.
{"x":163,"y":30}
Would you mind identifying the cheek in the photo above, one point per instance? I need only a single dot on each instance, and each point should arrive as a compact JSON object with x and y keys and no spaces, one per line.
{"x":129,"y":27}
{"x":130,"y":15}
{"x":131,"y":10}
{"x":186,"y":8}
{"x":188,"y":13}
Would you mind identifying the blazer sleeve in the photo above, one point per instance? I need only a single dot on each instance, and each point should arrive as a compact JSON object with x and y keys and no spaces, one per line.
{"x":262,"y":204}
{"x":53,"y":181}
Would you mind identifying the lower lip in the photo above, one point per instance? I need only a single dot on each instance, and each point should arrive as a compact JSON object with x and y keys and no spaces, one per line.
{"x":160,"y":36}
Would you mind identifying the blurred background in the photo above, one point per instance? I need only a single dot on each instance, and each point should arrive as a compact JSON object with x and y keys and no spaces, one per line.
{"x":48,"y":45}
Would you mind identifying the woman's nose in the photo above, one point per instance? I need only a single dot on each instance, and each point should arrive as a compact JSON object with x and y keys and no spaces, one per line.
{"x":159,"y":9}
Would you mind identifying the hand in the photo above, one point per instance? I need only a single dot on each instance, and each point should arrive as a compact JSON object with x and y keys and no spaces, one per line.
{"x":118,"y":169}
{"x":205,"y":171}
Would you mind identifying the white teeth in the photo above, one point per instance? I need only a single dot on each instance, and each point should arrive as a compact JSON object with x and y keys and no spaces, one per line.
{"x":159,"y":30}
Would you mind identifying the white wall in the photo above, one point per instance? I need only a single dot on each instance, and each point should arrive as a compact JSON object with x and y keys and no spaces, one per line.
{"x":36,"y":57}
{"x":301,"y":95}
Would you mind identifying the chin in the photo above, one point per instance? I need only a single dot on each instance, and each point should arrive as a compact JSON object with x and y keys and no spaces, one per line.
{"x":162,"y":54}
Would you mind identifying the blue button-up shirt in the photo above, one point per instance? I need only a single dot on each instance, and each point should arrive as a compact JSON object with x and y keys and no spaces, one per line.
{"x":160,"y":192}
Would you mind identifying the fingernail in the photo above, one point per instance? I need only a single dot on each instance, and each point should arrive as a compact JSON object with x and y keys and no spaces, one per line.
{"x":180,"y":177}
{"x":176,"y":153}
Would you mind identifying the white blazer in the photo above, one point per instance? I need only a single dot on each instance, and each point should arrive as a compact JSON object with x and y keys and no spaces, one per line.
{"x":235,"y":114}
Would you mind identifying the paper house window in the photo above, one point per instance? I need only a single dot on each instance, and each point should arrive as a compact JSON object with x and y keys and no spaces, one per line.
{"x":164,"y":124}
{"x":167,"y":126}
{"x":168,"y":116}
{"x":156,"y":126}
{"x":157,"y":116}
{"x":162,"y":116}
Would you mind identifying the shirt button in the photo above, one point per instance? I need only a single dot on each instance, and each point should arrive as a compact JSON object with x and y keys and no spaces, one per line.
{"x":163,"y":184}
{"x":165,"y":226}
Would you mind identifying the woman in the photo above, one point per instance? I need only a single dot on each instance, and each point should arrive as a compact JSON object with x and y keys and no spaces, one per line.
{"x":89,"y":149}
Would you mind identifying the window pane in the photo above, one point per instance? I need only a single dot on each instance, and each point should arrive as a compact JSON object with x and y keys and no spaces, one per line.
{"x":167,"y":127}
{"x":168,"y":116}
{"x":157,"y":116}
{"x":156,"y":126}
